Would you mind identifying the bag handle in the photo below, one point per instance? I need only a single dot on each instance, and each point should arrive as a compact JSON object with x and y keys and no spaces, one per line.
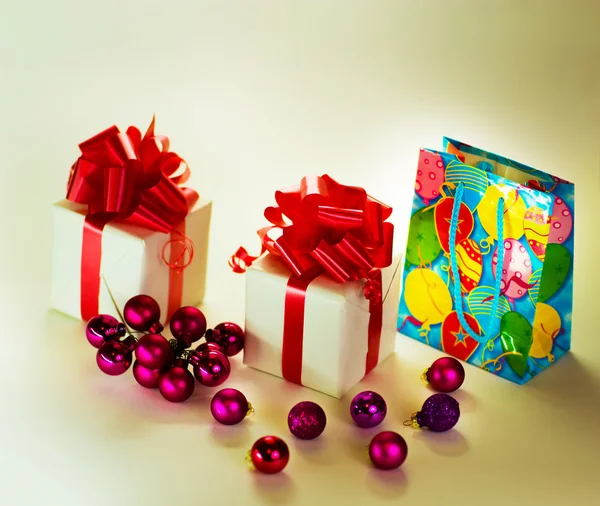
{"x":458,"y":197}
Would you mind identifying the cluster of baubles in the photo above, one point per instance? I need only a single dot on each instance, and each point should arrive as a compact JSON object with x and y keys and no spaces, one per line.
{"x":161,"y":363}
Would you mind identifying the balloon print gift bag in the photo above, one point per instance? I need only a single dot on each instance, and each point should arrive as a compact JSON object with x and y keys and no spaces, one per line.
{"x":488,"y":271}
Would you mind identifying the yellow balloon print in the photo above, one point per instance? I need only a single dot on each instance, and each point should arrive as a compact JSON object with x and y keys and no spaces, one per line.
{"x":546,"y":327}
{"x":514,"y":211}
{"x":427,"y":297}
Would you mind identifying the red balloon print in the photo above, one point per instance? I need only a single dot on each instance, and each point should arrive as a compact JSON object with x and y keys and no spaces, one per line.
{"x":455,"y":341}
{"x":443,"y":215}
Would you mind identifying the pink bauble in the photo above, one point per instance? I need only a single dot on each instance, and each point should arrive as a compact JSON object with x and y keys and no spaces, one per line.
{"x":114,"y":357}
{"x":188,"y":325}
{"x":388,"y":450}
{"x":229,"y":406}
{"x":212,"y":368}
{"x":103,"y":327}
{"x":446,"y":374}
{"x":229,"y":336}
{"x":561,"y":223}
{"x":148,"y":378}
{"x":153,"y":351}
{"x":270,"y":455}
{"x":516,"y":269}
{"x":142,"y":313}
{"x":203,"y":349}
{"x":176,"y":384}
{"x":430,"y":175}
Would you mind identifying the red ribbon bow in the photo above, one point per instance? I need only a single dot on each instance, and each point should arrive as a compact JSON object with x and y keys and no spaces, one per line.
{"x":321,"y":225}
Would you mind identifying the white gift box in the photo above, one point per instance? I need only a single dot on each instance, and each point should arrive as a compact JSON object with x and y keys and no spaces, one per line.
{"x":131,"y":263}
{"x":336,"y":321}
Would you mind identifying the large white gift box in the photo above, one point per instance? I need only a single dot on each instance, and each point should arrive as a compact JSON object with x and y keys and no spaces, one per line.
{"x":335,"y":338}
{"x":133,"y":261}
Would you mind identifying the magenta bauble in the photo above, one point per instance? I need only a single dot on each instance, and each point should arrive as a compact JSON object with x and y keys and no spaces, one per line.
{"x":307,"y":420}
{"x":229,"y":336}
{"x":229,"y":406}
{"x":176,"y":384}
{"x":368,"y":409}
{"x":270,"y":454}
{"x":212,"y":368}
{"x":153,"y":351}
{"x":114,"y":357}
{"x":142,"y":313}
{"x":148,"y":378}
{"x":388,"y":450}
{"x":188,"y":325}
{"x":103,"y":327}
{"x":446,"y":374}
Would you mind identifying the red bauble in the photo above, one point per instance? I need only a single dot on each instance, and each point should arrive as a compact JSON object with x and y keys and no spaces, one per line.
{"x":446,"y":374}
{"x":229,"y":336}
{"x":212,"y":368}
{"x":114,"y":357}
{"x":176,"y":384}
{"x":142,"y":313}
{"x":153,"y":351}
{"x":188,"y":325}
{"x":103,"y":327}
{"x":203,"y":349}
{"x":148,"y":378}
{"x":270,"y":454}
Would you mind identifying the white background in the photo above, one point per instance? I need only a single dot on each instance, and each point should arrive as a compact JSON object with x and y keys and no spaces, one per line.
{"x":255,"y":94}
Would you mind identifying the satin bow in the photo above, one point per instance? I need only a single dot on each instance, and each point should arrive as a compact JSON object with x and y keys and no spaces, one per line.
{"x":127,"y":177}
{"x":321,"y":225}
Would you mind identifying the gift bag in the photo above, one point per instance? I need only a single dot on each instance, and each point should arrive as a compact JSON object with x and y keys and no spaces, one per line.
{"x":488,"y":271}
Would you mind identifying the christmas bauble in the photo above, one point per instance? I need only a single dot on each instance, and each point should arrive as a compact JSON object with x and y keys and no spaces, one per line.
{"x":176,"y":384}
{"x":148,"y":378}
{"x":229,"y":406}
{"x":388,"y":450}
{"x":212,"y":368}
{"x":439,"y":413}
{"x":103,"y":327}
{"x":188,"y":325}
{"x":114,"y":357}
{"x":142,"y":313}
{"x":270,"y":454}
{"x":446,"y":374}
{"x":229,"y":336}
{"x":153,"y":351}
{"x":307,"y":420}
{"x":368,"y":409}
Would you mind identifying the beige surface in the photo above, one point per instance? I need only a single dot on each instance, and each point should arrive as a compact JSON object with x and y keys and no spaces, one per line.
{"x":254,"y":95}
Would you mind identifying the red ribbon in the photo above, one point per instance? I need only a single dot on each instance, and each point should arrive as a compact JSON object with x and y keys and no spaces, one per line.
{"x":321,"y":226}
{"x":131,"y":179}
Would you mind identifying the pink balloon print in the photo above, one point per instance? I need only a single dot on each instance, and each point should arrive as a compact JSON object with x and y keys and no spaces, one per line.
{"x":430,"y":175}
{"x":561,"y":223}
{"x":516,"y":269}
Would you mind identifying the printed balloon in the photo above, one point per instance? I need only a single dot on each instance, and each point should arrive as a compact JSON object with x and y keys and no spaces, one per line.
{"x":515,"y":270}
{"x":536,"y":224}
{"x":427,"y":297}
{"x":423,"y":246}
{"x":561,"y":222}
{"x":516,"y":335}
{"x":514,"y":211}
{"x":470,"y":264}
{"x":443,"y":216}
{"x":474,"y":179}
{"x":430,"y":175}
{"x":455,"y":340}
{"x":546,"y":326}
{"x":534,"y":281}
{"x":480,"y":302}
{"x":557,"y":266}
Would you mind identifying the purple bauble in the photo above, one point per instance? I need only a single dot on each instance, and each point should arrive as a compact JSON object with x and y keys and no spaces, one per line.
{"x":114,"y":357}
{"x":153,"y":351}
{"x":212,"y":368}
{"x":229,"y":406}
{"x":188,"y":325}
{"x":439,"y":413}
{"x":388,"y":450}
{"x":176,"y":384}
{"x":229,"y":336}
{"x":446,"y":374}
{"x":307,"y":420}
{"x":103,"y":327}
{"x":142,"y":313}
{"x":368,"y":409}
{"x":148,"y":378}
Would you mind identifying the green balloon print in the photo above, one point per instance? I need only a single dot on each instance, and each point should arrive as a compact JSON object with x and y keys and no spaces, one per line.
{"x":557,"y":265}
{"x":516,"y":334}
{"x":423,"y":245}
